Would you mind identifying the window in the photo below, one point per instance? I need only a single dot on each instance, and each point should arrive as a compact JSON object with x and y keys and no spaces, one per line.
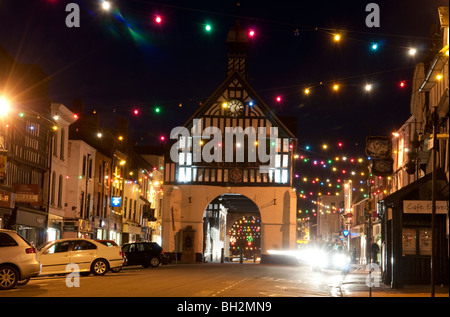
{"x":59,"y":247}
{"x":83,"y":245}
{"x":88,"y":205}
{"x":148,"y":246}
{"x":83,"y":170}
{"x":81,"y":204}
{"x":6,"y":240}
{"x":139,"y":247}
{"x":416,"y":241}
{"x":90,"y":167}
{"x":425,"y":242}
{"x":129,"y":210}
{"x":98,"y":204}
{"x":53,"y":189}
{"x":61,"y":153}
{"x":100,"y":173}
{"x":55,"y":144}
{"x":408,"y":241}
{"x":60,"y":191}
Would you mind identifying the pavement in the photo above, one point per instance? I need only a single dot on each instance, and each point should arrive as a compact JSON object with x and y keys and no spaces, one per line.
{"x":356,"y":284}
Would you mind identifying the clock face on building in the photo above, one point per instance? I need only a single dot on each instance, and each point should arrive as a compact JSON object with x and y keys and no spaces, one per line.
{"x":236,"y":108}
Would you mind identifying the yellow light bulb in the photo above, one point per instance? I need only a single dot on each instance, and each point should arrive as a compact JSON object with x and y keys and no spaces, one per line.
{"x":337,"y":37}
{"x":336,"y":87}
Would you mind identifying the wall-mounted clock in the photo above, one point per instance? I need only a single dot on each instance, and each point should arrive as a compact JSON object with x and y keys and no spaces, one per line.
{"x":236,"y":108}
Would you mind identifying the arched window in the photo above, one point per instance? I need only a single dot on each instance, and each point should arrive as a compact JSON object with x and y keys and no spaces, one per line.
{"x":52,"y":197}
{"x":60,"y":191}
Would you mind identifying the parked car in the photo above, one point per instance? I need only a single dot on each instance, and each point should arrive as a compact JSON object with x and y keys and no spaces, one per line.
{"x":143,"y":253}
{"x":112,"y":243}
{"x":18,"y":260}
{"x":89,"y":255}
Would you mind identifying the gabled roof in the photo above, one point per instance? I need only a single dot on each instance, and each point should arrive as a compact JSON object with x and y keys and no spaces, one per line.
{"x":213,"y":99}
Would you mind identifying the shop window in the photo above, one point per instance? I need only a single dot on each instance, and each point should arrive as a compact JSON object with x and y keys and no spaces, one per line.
{"x":416,"y":241}
{"x":425,"y":242}
{"x":408,"y":241}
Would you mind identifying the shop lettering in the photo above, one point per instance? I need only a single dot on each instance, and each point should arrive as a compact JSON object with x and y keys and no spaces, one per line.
{"x":424,"y":206}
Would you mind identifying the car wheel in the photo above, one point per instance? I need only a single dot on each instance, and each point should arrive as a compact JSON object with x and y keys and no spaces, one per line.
{"x":9,"y":277}
{"x":154,"y":262}
{"x":99,"y":267}
{"x":23,"y":282}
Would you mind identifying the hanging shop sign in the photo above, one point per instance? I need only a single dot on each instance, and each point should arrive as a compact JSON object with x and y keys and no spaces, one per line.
{"x":378,"y":147}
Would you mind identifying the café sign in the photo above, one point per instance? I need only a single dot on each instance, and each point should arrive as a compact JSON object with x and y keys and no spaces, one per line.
{"x":424,"y":206}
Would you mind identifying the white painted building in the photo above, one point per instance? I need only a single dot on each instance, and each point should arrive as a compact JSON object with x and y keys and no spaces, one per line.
{"x":59,"y":169}
{"x":80,"y":191}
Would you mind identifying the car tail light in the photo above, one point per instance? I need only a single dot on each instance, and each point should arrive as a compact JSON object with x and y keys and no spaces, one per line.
{"x":30,"y":250}
{"x":162,"y":252}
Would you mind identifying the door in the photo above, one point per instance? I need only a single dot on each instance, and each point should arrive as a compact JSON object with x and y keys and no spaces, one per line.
{"x":83,"y":253}
{"x":55,"y":258}
{"x":135,"y":254}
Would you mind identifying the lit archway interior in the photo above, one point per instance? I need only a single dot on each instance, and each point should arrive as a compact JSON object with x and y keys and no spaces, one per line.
{"x":245,"y":238}
{"x":231,"y":225}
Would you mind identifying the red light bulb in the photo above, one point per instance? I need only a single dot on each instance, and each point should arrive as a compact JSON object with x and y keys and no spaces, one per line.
{"x":158,"y":19}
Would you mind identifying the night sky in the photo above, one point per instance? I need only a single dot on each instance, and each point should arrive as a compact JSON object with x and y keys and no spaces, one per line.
{"x":121,"y":60}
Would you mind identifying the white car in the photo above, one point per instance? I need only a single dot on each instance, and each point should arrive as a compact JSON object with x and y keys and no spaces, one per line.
{"x":18,"y":260}
{"x":81,"y":255}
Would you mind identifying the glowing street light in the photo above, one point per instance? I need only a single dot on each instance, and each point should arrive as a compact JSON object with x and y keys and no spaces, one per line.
{"x":5,"y":106}
{"x":106,"y":5}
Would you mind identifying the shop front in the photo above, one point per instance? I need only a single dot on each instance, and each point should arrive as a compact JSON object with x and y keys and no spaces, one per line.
{"x":358,"y":243}
{"x":31,"y":225}
{"x":406,"y":219}
{"x":131,"y":233}
{"x":78,"y":228}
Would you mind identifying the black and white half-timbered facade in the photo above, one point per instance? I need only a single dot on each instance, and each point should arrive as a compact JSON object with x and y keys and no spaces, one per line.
{"x":233,"y":144}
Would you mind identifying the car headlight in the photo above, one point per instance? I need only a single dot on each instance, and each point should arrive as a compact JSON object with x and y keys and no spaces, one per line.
{"x":319,"y":258}
{"x":341,"y":260}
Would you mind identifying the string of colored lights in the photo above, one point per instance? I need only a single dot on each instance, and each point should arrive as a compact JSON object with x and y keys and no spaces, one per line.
{"x":337,"y":36}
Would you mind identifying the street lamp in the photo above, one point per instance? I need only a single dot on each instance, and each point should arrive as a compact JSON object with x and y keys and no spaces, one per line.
{"x":5,"y":106}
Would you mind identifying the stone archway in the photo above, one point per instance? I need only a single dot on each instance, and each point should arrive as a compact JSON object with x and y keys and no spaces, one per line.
{"x":184,"y":207}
